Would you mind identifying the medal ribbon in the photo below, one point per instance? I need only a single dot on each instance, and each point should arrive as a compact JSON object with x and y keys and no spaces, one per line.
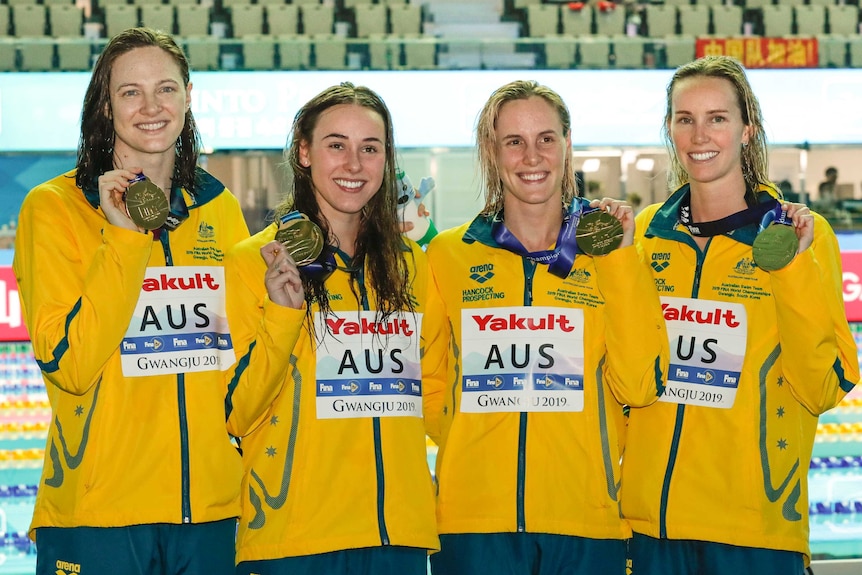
{"x":755,"y":215}
{"x":290,"y":216}
{"x":560,"y":259}
{"x":179,"y":211}
{"x":777,"y":215}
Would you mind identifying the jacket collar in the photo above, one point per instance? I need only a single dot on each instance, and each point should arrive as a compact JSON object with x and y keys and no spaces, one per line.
{"x":665,"y":223}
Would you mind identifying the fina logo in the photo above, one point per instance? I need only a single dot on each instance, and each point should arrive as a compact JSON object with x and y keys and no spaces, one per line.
{"x":401,"y":387}
{"x":481,"y":274}
{"x":498,"y":382}
{"x":354,"y":387}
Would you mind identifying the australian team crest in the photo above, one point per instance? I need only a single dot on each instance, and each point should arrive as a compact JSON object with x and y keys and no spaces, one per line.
{"x":205,"y":231}
{"x":745,"y":266}
{"x":579,"y":275}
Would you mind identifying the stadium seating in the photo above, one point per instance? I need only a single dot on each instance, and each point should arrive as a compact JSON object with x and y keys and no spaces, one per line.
{"x":405,"y":19}
{"x":661,"y":19}
{"x":694,"y":20}
{"x":294,"y":34}
{"x":73,"y":55}
{"x":4,"y":21}
{"x":247,"y":19}
{"x":577,"y":21}
{"x":29,"y":19}
{"x":726,"y":20}
{"x":370,"y":20}
{"x":158,"y":17}
{"x":119,"y":17}
{"x":810,"y":19}
{"x":283,"y":19}
{"x":777,"y":20}
{"x":543,"y":19}
{"x":594,"y":52}
{"x":66,"y":20}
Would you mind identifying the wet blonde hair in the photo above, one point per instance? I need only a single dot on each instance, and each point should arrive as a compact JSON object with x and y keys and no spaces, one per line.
{"x":755,"y":167}
{"x":486,"y":140}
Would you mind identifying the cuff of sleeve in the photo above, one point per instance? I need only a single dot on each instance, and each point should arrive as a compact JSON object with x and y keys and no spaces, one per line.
{"x":619,"y":262}
{"x":115,"y":234}
{"x":281,"y":319}
{"x":801,"y":264}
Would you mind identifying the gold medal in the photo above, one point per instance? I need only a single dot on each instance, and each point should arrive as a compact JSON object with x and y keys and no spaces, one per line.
{"x":147,"y":204}
{"x":775,"y":247}
{"x":302,"y":239}
{"x":598,"y":233}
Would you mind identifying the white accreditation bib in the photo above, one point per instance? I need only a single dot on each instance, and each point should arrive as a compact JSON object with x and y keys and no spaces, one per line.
{"x":707,"y":348}
{"x":368,"y":368}
{"x":522,"y":359}
{"x":179,"y":324}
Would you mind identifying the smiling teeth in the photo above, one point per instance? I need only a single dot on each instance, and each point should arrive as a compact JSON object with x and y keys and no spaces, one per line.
{"x":532,"y":177}
{"x":703,"y":156}
{"x":154,"y":126}
{"x":348,"y":184}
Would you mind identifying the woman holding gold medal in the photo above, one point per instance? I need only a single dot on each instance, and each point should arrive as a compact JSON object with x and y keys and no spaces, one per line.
{"x":715,"y":473}
{"x":338,"y":331}
{"x":555,"y":326}
{"x":123,"y":295}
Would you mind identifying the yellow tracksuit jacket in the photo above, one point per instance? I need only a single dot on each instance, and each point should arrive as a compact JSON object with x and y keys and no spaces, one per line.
{"x":541,"y":472}
{"x":121,"y":450}
{"x":739,"y":475}
{"x":315,"y":484}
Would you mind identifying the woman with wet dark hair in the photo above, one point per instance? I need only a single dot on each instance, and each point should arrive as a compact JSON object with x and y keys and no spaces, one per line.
{"x":339,"y":331}
{"x":119,"y":265}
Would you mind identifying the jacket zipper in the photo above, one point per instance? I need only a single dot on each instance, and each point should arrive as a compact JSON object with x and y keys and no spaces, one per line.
{"x":529,"y":271}
{"x":186,"y":501}
{"x":680,"y":417}
{"x":378,"y":449}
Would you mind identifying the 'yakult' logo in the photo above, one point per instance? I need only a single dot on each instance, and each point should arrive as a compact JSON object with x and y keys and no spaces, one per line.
{"x":364,"y":326}
{"x":716,"y":316}
{"x":512,"y":321}
{"x":196,"y":281}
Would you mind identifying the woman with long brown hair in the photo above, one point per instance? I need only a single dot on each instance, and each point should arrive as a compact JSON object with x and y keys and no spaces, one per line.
{"x":338,"y":330}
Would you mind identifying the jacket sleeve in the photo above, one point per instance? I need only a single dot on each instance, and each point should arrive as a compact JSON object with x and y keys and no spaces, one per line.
{"x":264,"y":335}
{"x":435,"y":351}
{"x":237,"y":229}
{"x":818,"y":353}
{"x":635,"y":332}
{"x":76,"y":312}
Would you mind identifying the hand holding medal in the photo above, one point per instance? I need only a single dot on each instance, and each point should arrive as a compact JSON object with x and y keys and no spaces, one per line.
{"x":140,"y":212}
{"x":282,"y":279}
{"x":604,"y":226}
{"x":784,"y":232}
{"x":146,"y":203}
{"x":301,"y":237}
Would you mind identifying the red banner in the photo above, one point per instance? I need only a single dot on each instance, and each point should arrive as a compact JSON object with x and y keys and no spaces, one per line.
{"x":11,"y":321}
{"x":757,"y":52}
{"x":851,"y":262}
